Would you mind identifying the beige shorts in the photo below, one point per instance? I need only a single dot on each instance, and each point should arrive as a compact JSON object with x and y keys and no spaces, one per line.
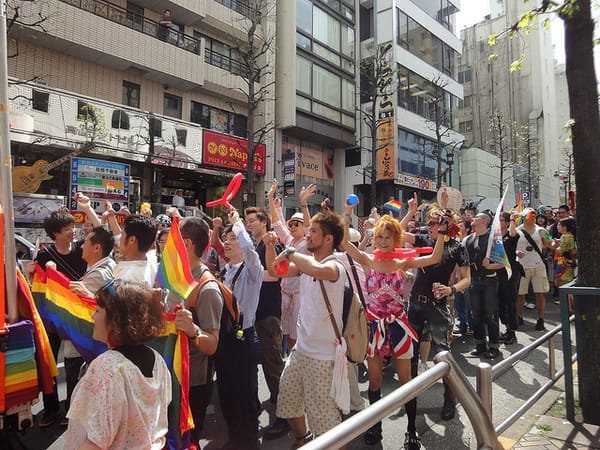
{"x":538,"y":278}
{"x":304,"y":389}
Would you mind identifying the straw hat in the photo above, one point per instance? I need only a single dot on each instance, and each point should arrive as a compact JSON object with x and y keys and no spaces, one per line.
{"x":297,"y":217}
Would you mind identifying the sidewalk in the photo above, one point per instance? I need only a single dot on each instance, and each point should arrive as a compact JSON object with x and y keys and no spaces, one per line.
{"x":552,"y":430}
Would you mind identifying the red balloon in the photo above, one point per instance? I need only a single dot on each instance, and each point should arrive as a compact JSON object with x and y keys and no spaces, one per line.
{"x":230,"y":191}
{"x":282,"y":268}
{"x":401,"y":253}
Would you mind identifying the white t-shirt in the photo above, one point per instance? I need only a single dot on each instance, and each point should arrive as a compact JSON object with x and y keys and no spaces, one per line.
{"x":316,"y":338}
{"x":531,"y":258}
{"x":142,"y":271}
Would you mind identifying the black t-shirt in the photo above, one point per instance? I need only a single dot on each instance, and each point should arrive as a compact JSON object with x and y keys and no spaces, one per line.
{"x":72,"y":264}
{"x":269,"y":301}
{"x":454,"y":254}
{"x":510,"y":247}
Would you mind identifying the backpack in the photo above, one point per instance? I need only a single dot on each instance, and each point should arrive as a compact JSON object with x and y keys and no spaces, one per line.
{"x":231,"y":316}
{"x":355,"y":328}
{"x":355,"y":325}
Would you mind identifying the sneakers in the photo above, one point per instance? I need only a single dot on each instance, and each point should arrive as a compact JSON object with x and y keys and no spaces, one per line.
{"x":299,"y":441}
{"x":480,"y":349}
{"x":510,"y":339}
{"x":448,"y":409}
{"x":412,"y":441}
{"x":469,"y":332}
{"x":492,"y":353}
{"x":530,"y":305}
{"x":373,"y":434}
{"x":539,"y":326}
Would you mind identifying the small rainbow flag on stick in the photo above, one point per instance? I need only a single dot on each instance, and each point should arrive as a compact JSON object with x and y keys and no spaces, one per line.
{"x":174,"y":271}
{"x":394,"y":206}
{"x":519,"y":202}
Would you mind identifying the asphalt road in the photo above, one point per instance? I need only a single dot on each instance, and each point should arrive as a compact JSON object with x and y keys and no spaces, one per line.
{"x":509,"y":391}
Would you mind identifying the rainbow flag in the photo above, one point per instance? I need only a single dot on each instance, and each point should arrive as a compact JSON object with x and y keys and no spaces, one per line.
{"x":519,"y":202}
{"x":496,"y":252}
{"x":70,"y":316}
{"x":174,"y":271}
{"x":394,"y":206}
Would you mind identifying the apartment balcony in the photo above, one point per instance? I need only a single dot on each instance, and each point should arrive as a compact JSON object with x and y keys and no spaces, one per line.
{"x":106,"y":34}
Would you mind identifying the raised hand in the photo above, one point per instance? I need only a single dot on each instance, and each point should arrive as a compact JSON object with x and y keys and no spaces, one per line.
{"x":306,"y":192}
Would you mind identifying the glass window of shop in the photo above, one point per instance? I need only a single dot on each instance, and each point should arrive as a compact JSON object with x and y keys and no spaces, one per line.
{"x":217,"y":119}
{"x":416,"y":157}
{"x":347,"y":40}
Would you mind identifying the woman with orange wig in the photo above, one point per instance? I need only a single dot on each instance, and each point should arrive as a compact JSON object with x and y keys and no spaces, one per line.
{"x":390,"y":333}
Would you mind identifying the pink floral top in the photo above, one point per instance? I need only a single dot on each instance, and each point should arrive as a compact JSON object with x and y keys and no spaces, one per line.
{"x":116,"y":407}
{"x":384,"y":293}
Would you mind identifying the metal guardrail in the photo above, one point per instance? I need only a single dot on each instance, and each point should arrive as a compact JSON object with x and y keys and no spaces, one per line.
{"x":577,"y":292}
{"x":473,"y":402}
{"x":136,"y":22}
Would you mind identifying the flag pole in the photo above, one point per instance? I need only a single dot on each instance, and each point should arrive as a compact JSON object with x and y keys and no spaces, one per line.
{"x":6,"y":198}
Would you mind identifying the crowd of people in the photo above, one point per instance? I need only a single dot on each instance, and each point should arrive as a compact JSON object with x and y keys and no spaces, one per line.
{"x":289,"y":316}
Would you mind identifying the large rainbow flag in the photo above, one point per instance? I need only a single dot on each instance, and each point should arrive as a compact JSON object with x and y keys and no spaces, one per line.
{"x":174,"y":271}
{"x":496,"y":252}
{"x":70,"y":316}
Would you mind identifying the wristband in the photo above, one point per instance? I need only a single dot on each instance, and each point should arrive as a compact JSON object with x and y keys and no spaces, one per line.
{"x":288,"y":251}
{"x":453,"y":287}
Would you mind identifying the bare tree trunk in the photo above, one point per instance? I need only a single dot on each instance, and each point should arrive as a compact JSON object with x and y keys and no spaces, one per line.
{"x":583,"y":102}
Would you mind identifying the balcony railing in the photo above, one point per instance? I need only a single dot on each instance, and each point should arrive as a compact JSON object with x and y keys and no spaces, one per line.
{"x":224,"y":62}
{"x":136,"y":22}
{"x":238,"y":6}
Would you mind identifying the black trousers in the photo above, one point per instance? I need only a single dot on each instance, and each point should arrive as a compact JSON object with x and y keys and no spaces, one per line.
{"x":507,"y":298}
{"x":51,"y":403}
{"x":199,"y":399}
{"x":236,"y":363}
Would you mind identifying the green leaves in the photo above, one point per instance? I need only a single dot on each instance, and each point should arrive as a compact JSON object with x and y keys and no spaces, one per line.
{"x":492,"y":39}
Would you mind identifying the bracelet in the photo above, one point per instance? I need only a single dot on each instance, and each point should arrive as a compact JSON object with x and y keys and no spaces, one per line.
{"x":288,"y":251}
{"x":453,"y":287}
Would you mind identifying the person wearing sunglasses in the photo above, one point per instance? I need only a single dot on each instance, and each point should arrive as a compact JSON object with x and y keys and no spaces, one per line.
{"x":122,"y":400}
{"x":428,"y":305}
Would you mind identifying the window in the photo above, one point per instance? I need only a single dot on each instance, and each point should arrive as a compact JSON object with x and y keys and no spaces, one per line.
{"x":40,"y":100}
{"x":200,"y":114}
{"x":303,"y":75}
{"x":131,"y":94}
{"x":181,"y":135}
{"x":464,"y":76}
{"x":304,"y":15}
{"x":120,"y":119}
{"x":240,"y":126}
{"x":326,"y":86}
{"x":85,"y":112}
{"x":155,"y":127}
{"x":326,"y":29}
{"x":172,"y":106}
{"x":465,"y":127}
{"x":466,"y":102}
{"x":353,"y":157}
{"x":347,"y":95}
{"x":135,"y":15}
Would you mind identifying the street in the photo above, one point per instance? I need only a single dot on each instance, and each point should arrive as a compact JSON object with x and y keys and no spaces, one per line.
{"x":509,"y":392}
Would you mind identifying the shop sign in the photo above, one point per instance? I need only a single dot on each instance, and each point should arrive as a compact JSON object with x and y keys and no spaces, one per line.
{"x":415,"y":182}
{"x":223,"y":150}
{"x":100,"y":180}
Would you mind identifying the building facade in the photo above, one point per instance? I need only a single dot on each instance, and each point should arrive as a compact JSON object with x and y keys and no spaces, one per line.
{"x":164,"y":100}
{"x":513,"y":112}
{"x":417,"y":41}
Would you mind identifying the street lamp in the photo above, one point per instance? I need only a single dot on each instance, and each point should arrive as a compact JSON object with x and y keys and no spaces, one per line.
{"x":450,"y":157}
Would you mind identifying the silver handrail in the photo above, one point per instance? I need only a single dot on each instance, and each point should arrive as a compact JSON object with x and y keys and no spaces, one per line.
{"x":446,"y":367}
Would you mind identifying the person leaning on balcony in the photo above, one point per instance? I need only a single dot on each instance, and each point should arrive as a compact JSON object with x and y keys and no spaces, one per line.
{"x":164,"y":25}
